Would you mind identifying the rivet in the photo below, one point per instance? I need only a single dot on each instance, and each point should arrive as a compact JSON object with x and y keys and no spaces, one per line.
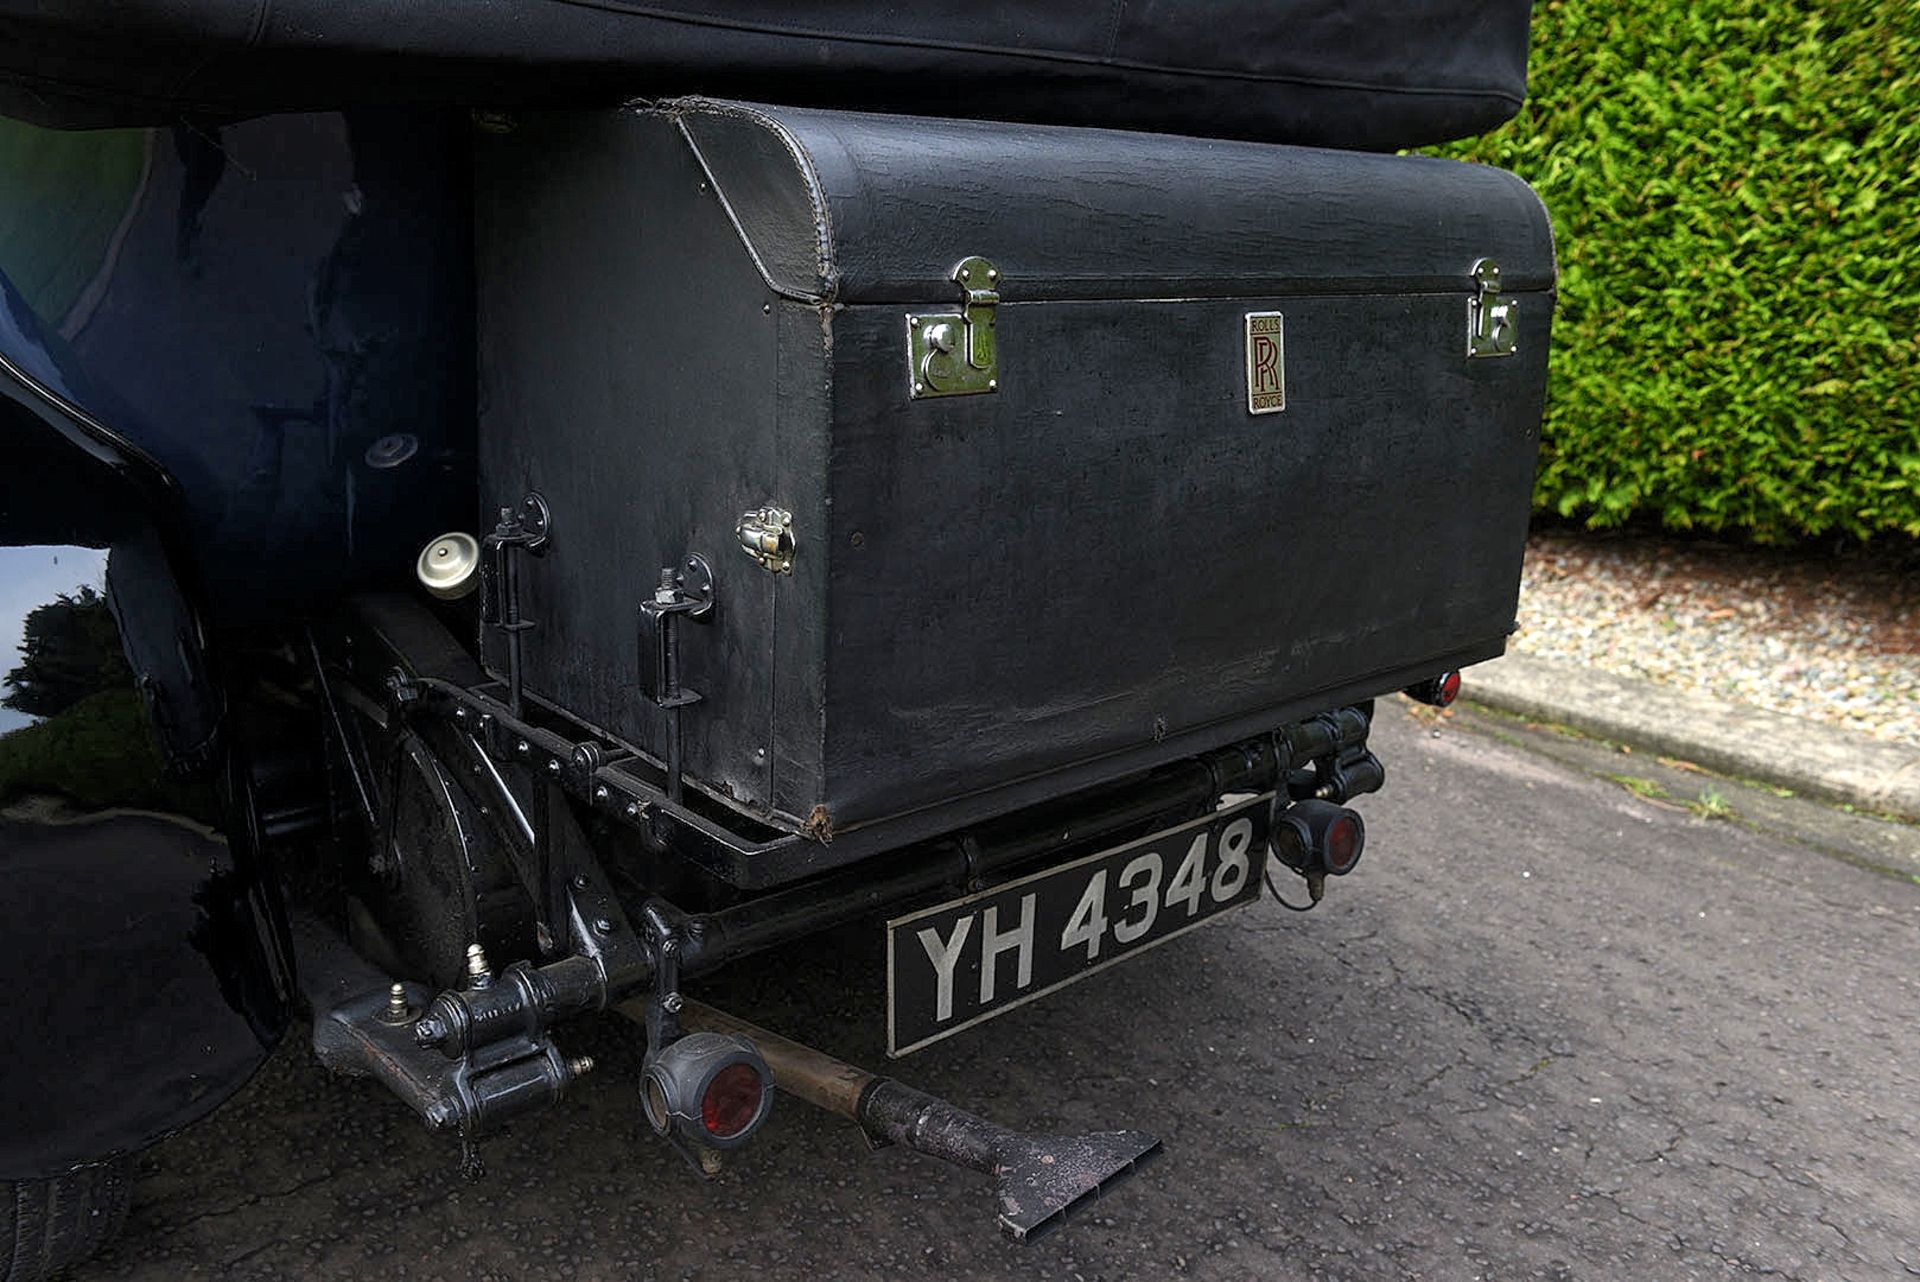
{"x":524,"y":748}
{"x":766,"y":309}
{"x":993,"y":385}
{"x":602,"y":926}
{"x":633,"y":810}
{"x":919,"y":387}
{"x":553,"y":765}
{"x":601,"y":793}
{"x":580,"y":881}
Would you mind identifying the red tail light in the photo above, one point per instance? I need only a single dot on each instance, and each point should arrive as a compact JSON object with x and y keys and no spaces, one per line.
{"x":708,"y":1089}
{"x":1438,"y":691}
{"x":1341,"y":843}
{"x":732,"y":1101}
{"x":1314,"y":837}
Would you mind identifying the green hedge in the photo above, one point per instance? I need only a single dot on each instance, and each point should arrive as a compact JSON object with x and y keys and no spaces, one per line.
{"x":1735,"y":186}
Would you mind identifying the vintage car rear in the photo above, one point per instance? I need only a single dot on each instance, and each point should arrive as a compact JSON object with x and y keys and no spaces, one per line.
{"x":572,"y":522}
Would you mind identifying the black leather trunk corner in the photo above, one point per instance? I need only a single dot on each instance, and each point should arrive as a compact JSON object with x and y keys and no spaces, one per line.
{"x":1171,"y":520}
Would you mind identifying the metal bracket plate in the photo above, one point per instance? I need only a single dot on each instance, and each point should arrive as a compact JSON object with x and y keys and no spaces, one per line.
{"x":1493,"y":321}
{"x":954,"y":353}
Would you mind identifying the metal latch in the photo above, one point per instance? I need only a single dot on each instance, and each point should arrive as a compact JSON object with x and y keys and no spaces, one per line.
{"x":953,"y":353}
{"x":1493,"y":322}
{"x":766,"y":535}
{"x":685,"y":593}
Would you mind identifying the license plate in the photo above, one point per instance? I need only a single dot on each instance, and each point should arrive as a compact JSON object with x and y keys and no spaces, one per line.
{"x":954,"y":965}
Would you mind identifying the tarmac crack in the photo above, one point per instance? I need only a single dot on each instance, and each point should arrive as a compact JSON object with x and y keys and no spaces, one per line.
{"x":1665,"y":1151}
{"x":252,"y":1199}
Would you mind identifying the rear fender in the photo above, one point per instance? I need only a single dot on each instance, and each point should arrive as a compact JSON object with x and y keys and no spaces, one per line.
{"x":142,"y":948}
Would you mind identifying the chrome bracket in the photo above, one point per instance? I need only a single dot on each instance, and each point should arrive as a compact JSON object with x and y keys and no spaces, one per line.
{"x":953,"y":353}
{"x":1493,"y":322}
{"x":766,"y":535}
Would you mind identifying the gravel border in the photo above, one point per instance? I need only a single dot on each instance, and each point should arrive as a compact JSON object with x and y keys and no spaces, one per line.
{"x":1835,"y":640}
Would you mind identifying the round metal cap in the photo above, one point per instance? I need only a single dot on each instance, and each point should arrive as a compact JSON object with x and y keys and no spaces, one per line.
{"x":392,"y":450}
{"x":446,"y":566}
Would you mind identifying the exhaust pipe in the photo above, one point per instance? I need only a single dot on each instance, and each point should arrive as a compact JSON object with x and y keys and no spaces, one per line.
{"x":1039,"y":1180}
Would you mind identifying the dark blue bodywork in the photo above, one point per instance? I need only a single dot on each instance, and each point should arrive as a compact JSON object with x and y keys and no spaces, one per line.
{"x":277,"y":312}
{"x":235,"y":383}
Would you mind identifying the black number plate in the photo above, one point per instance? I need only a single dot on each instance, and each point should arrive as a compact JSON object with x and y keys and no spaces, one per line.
{"x":952,"y":966}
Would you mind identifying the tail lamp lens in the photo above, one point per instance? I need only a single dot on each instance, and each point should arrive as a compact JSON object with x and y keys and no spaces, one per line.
{"x":1439,"y":691}
{"x":1342,"y":844}
{"x":1319,"y":837}
{"x":707,"y":1088}
{"x":731,"y":1101}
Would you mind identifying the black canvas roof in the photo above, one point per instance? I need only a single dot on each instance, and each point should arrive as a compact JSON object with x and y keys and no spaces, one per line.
{"x":1320,"y":72}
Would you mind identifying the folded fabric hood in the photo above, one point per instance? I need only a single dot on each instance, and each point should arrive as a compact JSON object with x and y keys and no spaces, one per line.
{"x":1377,"y":76}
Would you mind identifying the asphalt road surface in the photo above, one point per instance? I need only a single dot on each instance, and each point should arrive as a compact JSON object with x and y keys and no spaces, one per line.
{"x":1551,"y":1028}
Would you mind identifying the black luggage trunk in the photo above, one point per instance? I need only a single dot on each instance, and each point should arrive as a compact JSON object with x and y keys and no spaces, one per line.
{"x":1172,"y":520}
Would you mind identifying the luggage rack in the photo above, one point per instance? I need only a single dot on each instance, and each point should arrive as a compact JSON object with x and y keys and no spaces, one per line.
{"x":629,"y":788}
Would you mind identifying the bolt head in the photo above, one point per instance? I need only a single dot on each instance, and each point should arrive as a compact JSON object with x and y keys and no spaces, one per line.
{"x":602,"y":926}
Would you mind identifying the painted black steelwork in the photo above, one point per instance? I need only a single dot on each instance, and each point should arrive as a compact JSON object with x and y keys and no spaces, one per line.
{"x":685,"y":593}
{"x":1062,"y":829}
{"x":514,"y":1074}
{"x":731,"y":844}
{"x":522,"y":530}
